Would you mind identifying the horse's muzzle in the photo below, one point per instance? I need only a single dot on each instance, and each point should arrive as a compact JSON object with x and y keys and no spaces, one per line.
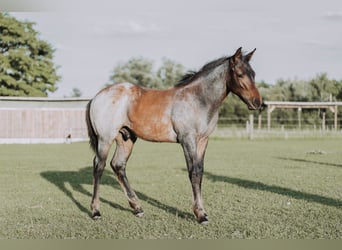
{"x":255,"y":104}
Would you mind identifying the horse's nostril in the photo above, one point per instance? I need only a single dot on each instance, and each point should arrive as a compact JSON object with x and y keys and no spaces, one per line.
{"x":256,"y":102}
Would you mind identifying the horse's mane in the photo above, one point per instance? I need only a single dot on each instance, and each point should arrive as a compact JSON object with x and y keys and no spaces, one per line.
{"x":206,"y":69}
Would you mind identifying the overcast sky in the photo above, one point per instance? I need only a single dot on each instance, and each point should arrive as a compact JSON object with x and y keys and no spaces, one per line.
{"x":294,"y":39}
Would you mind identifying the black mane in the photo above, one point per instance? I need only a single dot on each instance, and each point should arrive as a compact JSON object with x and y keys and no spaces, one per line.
{"x":207,"y":68}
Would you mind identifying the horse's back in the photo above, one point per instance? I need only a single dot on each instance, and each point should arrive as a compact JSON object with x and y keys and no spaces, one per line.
{"x":147,"y":112}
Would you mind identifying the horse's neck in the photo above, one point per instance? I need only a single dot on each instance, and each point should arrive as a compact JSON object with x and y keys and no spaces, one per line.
{"x":214,"y":87}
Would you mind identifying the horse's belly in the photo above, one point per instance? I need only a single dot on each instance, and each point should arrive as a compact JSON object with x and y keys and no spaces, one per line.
{"x":150,"y":116}
{"x":152,"y":124}
{"x":154,"y":130}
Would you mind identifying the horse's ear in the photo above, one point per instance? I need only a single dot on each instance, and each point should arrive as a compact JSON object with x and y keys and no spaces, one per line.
{"x":238,"y":54}
{"x":236,"y":57}
{"x":249,"y":55}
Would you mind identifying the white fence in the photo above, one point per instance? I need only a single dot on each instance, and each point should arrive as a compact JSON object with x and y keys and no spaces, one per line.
{"x":42,"y":120}
{"x":252,"y":128}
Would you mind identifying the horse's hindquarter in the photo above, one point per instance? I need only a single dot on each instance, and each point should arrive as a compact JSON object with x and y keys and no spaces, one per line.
{"x":150,"y":115}
{"x":108,"y":110}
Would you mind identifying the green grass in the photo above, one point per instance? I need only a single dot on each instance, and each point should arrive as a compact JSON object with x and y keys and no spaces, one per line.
{"x":252,"y":189}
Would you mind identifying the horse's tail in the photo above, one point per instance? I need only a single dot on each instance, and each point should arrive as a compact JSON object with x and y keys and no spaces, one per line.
{"x":91,"y":132}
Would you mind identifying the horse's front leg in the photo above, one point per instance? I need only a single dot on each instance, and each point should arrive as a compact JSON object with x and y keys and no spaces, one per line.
{"x":194,"y":154}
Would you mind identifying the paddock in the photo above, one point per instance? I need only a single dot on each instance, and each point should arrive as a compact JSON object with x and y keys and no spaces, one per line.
{"x":283,"y":189}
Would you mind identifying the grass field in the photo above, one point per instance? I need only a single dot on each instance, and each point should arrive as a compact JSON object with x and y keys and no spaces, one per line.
{"x":273,"y":189}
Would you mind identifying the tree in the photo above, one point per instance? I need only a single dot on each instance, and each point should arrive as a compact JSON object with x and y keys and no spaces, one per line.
{"x":76,"y":92}
{"x":26,"y":66}
{"x":170,"y":73}
{"x":137,"y":70}
{"x":324,"y":89}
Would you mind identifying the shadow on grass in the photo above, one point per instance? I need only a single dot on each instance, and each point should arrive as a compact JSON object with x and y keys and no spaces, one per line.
{"x":276,"y":189}
{"x":84,"y":177}
{"x":310,"y":161}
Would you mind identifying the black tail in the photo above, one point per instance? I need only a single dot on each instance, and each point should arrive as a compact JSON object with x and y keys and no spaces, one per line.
{"x":91,"y":132}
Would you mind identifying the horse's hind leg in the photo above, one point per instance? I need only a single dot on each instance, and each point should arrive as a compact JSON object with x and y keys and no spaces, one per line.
{"x":123,"y":151}
{"x":99,"y":164}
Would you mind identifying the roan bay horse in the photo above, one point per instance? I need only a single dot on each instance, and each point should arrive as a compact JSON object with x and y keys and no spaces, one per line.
{"x":185,"y":114}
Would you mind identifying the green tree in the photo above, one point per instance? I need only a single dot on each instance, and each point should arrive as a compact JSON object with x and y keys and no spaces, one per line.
{"x":76,"y":92}
{"x":170,"y":73}
{"x":137,"y":70}
{"x":324,"y":89}
{"x":26,"y":66}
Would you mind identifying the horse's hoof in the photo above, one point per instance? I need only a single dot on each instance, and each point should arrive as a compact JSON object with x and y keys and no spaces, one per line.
{"x":203,"y":220}
{"x":96,"y":215}
{"x":139,"y":213}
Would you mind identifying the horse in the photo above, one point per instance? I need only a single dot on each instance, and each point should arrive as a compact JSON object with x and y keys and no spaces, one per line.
{"x":186,"y":114}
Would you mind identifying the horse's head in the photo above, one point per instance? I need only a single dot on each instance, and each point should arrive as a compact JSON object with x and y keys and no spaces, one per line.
{"x":241,"y":80}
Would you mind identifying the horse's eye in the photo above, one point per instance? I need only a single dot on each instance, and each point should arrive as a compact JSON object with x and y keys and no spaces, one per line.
{"x":239,"y":75}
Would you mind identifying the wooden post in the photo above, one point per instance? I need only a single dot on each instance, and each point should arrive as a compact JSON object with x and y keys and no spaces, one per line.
{"x":323,"y":121}
{"x":299,"y":118}
{"x":251,"y":127}
{"x":270,"y":108}
{"x":268,"y":119}
{"x":259,"y":121}
{"x":334,"y":109}
{"x":335,"y":118}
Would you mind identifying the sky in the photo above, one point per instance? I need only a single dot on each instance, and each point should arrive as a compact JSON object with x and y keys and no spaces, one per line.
{"x":295,"y":39}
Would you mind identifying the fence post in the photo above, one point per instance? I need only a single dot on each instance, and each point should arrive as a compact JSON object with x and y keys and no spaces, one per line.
{"x":270,"y":108}
{"x":335,"y":117}
{"x":251,"y":127}
{"x":268,"y":118}
{"x":299,"y":118}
